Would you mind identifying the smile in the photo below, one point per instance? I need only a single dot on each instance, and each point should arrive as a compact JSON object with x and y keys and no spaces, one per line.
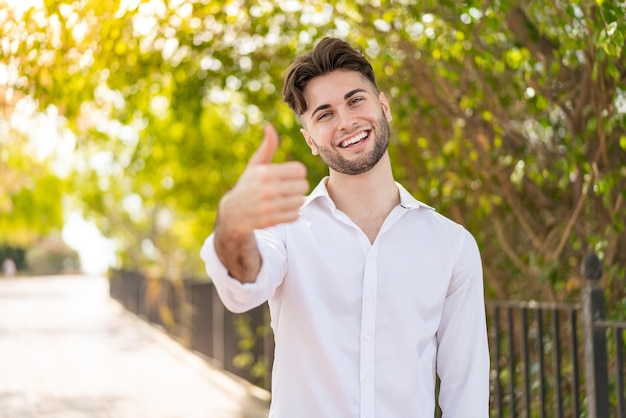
{"x":361,"y":136}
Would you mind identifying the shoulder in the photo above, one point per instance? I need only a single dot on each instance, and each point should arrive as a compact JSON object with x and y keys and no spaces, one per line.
{"x":440,"y":227}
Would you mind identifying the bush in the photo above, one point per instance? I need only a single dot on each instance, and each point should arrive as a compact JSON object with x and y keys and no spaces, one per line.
{"x":52,"y":256}
{"x":16,"y":254}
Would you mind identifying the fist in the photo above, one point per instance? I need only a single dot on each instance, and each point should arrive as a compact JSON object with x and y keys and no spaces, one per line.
{"x":267,"y":193}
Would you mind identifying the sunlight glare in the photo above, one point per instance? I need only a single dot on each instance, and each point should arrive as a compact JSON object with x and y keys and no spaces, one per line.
{"x":96,"y":252}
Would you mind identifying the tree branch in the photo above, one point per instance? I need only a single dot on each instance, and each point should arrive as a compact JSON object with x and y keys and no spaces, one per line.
{"x":497,"y":226}
{"x":527,"y":34}
{"x":524,"y":223}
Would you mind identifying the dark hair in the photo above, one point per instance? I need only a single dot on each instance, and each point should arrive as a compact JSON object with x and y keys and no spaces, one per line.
{"x":329,"y":55}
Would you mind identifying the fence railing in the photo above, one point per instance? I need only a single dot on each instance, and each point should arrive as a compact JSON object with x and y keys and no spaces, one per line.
{"x":547,"y":360}
{"x":535,"y":359}
{"x":553,"y":360}
{"x":190,"y":311}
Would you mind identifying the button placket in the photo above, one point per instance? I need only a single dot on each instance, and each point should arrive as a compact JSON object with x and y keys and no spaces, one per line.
{"x":368,"y":319}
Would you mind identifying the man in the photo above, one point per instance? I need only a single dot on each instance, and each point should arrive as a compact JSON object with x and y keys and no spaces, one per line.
{"x":371,"y":292}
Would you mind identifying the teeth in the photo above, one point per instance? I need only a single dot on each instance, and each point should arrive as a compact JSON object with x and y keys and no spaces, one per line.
{"x":353,"y":140}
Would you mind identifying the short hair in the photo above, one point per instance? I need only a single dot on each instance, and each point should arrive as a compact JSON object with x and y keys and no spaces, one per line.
{"x":329,"y":55}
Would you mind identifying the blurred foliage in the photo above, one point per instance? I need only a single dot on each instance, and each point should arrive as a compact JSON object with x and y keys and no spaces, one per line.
{"x":252,"y":336}
{"x":30,"y":193}
{"x":509,"y":117}
{"x":18,"y":255}
{"x":51,"y":255}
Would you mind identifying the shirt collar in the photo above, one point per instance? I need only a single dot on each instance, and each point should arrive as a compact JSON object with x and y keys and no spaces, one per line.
{"x":320,"y":193}
{"x":407,"y":201}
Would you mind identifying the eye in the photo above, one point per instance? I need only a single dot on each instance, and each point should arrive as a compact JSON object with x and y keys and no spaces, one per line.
{"x":356,"y":100}
{"x":323,"y":116}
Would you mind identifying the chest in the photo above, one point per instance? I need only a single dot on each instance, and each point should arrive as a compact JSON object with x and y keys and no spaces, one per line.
{"x":370,"y":226}
{"x":405,"y":270}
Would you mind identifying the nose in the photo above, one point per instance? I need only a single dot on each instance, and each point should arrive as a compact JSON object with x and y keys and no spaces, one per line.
{"x":346,"y":119}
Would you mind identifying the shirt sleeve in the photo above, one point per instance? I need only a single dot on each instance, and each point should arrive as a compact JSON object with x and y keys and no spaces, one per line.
{"x":463,"y":352}
{"x":240,"y":297}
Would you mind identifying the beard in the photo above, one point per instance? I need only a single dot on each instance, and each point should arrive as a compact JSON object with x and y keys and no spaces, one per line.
{"x":363,"y":162}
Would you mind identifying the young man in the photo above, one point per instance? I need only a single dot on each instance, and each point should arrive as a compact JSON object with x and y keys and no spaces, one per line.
{"x":371,"y":292}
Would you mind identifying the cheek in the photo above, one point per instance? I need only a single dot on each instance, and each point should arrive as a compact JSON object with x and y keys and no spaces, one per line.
{"x":321,"y":137}
{"x":325,"y":133}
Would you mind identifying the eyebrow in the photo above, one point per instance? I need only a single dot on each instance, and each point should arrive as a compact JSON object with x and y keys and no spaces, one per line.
{"x":345,"y":97}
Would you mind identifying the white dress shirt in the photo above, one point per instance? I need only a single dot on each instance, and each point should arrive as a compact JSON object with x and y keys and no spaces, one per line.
{"x":362,"y":328}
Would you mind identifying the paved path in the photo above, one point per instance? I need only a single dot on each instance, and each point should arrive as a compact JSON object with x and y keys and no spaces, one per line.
{"x":68,"y":351}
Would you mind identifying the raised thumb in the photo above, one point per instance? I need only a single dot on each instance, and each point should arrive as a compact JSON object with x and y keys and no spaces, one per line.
{"x":265,"y":153}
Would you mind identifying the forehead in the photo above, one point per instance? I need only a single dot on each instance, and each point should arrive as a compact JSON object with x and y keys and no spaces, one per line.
{"x":332,"y":87}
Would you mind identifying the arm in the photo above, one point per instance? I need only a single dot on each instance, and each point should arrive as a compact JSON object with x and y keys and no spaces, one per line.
{"x":265,"y":195}
{"x":463,"y":353}
{"x":238,"y":251}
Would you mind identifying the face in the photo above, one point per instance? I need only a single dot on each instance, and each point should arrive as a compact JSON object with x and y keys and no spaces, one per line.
{"x":346,"y":121}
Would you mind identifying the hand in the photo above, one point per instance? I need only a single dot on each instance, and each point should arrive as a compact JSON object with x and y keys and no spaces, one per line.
{"x":267,"y":193}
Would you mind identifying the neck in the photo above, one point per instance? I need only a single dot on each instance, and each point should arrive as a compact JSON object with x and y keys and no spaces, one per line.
{"x":373,"y":193}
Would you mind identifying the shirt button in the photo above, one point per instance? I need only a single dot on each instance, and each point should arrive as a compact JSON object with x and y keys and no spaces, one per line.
{"x":369,"y":298}
{"x":368,"y":338}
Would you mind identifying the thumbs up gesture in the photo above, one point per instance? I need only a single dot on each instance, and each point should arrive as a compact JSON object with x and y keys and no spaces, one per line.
{"x":266,"y":194}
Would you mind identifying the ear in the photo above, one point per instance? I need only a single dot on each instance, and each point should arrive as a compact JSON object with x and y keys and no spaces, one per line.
{"x":309,"y":141}
{"x":385,"y":104}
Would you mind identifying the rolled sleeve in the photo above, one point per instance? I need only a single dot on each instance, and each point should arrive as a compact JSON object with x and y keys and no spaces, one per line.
{"x":240,"y":297}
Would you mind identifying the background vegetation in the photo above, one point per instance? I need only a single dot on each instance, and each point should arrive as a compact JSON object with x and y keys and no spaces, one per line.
{"x":509,"y":117}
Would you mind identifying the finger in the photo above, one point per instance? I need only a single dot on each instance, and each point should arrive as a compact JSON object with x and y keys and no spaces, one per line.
{"x":284,"y":204}
{"x":286,"y":170}
{"x":278,"y":218}
{"x":297,"y":187}
{"x":292,"y":203}
{"x":265,"y":153}
{"x":280,"y":211}
{"x":275,"y":192}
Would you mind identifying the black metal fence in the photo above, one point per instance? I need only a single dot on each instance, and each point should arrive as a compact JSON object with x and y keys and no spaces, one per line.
{"x":536,"y":359}
{"x":190,"y":311}
{"x":547,"y":360}
{"x":557,"y":360}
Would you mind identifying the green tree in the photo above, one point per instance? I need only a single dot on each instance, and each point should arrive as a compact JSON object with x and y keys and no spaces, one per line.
{"x":30,"y":194}
{"x":509,"y":117}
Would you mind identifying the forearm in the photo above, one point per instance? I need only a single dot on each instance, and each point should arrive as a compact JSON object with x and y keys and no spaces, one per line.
{"x":236,"y":249}
{"x":239,"y":255}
